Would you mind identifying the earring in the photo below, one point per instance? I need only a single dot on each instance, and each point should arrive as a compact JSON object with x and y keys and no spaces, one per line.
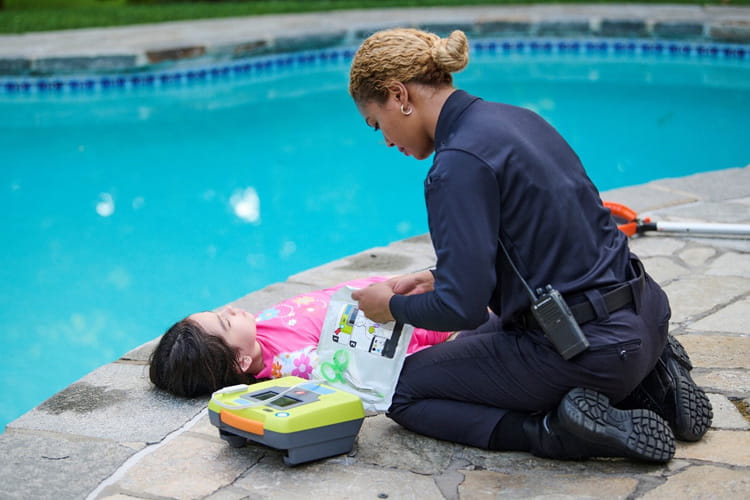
{"x":406,"y":113}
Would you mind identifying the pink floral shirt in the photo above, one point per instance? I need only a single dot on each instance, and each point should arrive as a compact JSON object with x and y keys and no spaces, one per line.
{"x":289,"y":332}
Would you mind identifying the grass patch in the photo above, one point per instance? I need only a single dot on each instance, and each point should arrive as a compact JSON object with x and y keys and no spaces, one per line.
{"x":21,"y":16}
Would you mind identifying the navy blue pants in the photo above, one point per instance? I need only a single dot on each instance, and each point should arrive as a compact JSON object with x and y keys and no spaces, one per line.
{"x":460,"y":390}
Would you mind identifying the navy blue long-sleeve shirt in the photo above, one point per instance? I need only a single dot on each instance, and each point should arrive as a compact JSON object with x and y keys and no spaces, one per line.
{"x":502,"y":171}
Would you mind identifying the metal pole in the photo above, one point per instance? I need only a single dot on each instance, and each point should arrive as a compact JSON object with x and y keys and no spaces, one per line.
{"x":703,"y":228}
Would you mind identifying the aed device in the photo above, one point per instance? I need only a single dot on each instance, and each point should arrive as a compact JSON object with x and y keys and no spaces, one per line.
{"x":307,"y":419}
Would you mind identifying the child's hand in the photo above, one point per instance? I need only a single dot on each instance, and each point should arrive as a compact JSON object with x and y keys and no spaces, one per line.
{"x":374,"y":301}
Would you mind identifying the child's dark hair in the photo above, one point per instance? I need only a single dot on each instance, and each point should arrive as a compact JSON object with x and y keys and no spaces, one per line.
{"x":190,"y":362}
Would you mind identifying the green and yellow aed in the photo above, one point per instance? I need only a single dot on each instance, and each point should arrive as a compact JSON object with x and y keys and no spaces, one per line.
{"x":307,"y":419}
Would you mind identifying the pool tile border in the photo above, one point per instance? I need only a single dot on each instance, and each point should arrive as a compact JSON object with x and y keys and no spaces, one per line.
{"x":262,"y":65}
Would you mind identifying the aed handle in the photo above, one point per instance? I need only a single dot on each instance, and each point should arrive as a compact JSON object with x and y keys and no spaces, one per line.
{"x":242,"y":405}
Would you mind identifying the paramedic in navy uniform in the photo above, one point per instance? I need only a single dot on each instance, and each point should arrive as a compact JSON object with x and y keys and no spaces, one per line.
{"x":502,"y":172}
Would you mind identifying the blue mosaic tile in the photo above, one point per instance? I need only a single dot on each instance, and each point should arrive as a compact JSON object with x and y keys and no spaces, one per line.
{"x":620,"y":47}
{"x":196,"y":75}
{"x":568,"y":46}
{"x":596,"y":46}
{"x":242,"y":68}
{"x":46,"y":86}
{"x":540,"y":46}
{"x":279,"y":62}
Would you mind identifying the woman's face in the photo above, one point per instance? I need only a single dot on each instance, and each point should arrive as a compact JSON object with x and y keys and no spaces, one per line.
{"x":235,"y":326}
{"x":406,"y":133}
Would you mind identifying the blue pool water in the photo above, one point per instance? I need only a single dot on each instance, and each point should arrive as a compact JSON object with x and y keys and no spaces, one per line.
{"x":128,"y":205}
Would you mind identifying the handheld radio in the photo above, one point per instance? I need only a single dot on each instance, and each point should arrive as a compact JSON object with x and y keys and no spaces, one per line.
{"x":554,"y":317}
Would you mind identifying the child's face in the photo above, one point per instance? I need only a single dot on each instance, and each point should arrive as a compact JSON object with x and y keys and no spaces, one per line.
{"x":235,"y":326}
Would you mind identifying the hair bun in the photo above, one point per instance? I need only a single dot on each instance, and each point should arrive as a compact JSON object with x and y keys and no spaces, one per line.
{"x":451,"y":53}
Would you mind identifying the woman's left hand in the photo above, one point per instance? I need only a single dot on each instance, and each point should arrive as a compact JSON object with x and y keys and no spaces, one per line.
{"x":374,"y":301}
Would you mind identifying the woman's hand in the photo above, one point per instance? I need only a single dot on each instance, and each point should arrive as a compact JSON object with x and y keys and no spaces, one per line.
{"x":412,"y":284}
{"x":374,"y":301}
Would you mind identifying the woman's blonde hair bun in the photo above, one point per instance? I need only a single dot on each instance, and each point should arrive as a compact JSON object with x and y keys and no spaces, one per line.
{"x":451,"y":53}
{"x":405,"y":55}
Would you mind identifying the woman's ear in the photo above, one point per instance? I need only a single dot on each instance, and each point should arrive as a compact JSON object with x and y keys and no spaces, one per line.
{"x":398,"y":91}
{"x":245,"y":363}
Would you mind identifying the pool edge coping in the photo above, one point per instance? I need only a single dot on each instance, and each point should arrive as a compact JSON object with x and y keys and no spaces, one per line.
{"x":154,"y":46}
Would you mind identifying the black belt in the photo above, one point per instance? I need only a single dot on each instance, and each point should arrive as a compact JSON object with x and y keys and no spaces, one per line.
{"x":584,"y":312}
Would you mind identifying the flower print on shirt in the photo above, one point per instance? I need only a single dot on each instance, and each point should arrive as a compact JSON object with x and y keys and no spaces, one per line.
{"x":303,"y":300}
{"x":299,"y":363}
{"x":303,"y":367}
{"x":283,"y":310}
{"x":269,"y":313}
{"x":276,"y":370}
{"x":309,"y":304}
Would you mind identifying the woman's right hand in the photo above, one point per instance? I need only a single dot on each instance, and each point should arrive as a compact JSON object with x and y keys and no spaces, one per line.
{"x":412,"y":284}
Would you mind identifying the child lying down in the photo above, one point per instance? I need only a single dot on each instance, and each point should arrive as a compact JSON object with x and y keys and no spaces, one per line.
{"x":209,"y":350}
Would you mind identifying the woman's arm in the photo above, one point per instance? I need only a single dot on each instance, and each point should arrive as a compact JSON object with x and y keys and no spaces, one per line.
{"x":463,"y":206}
{"x":374,"y":300}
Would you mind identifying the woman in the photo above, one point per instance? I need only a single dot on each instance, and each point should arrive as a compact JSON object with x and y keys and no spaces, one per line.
{"x":505,"y":190}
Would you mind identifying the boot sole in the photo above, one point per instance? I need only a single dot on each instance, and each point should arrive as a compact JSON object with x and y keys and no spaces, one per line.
{"x":689,"y":410}
{"x":693,"y":411}
{"x":639,"y":434}
{"x":678,"y":352}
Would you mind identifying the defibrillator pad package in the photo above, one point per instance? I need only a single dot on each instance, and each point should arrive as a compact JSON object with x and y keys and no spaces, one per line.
{"x":359,"y":355}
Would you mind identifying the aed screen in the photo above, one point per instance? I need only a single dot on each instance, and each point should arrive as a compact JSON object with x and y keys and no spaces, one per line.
{"x":265,"y":395}
{"x":285,"y":401}
{"x":280,"y":402}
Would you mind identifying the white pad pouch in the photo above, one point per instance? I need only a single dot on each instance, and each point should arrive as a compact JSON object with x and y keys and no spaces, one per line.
{"x":359,"y":355}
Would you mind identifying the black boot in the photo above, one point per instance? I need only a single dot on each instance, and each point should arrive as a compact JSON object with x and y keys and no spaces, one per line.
{"x":585,"y":425}
{"x":669,"y":391}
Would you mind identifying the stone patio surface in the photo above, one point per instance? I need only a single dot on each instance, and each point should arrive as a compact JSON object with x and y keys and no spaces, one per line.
{"x":111,"y":435}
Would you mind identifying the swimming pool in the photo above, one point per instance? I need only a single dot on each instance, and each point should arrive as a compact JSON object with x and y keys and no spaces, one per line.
{"x":131,"y":201}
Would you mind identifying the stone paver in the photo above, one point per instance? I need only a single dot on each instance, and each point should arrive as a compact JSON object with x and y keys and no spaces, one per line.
{"x":189,"y":467}
{"x":483,"y":484}
{"x":726,"y":414}
{"x":52,"y":465}
{"x":110,"y":435}
{"x":336,"y":479}
{"x":697,"y":296}
{"x":704,"y":482}
{"x":733,"y":383}
{"x":728,"y":319}
{"x":113,"y":395}
{"x":718,"y":351}
{"x":725,"y":447}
